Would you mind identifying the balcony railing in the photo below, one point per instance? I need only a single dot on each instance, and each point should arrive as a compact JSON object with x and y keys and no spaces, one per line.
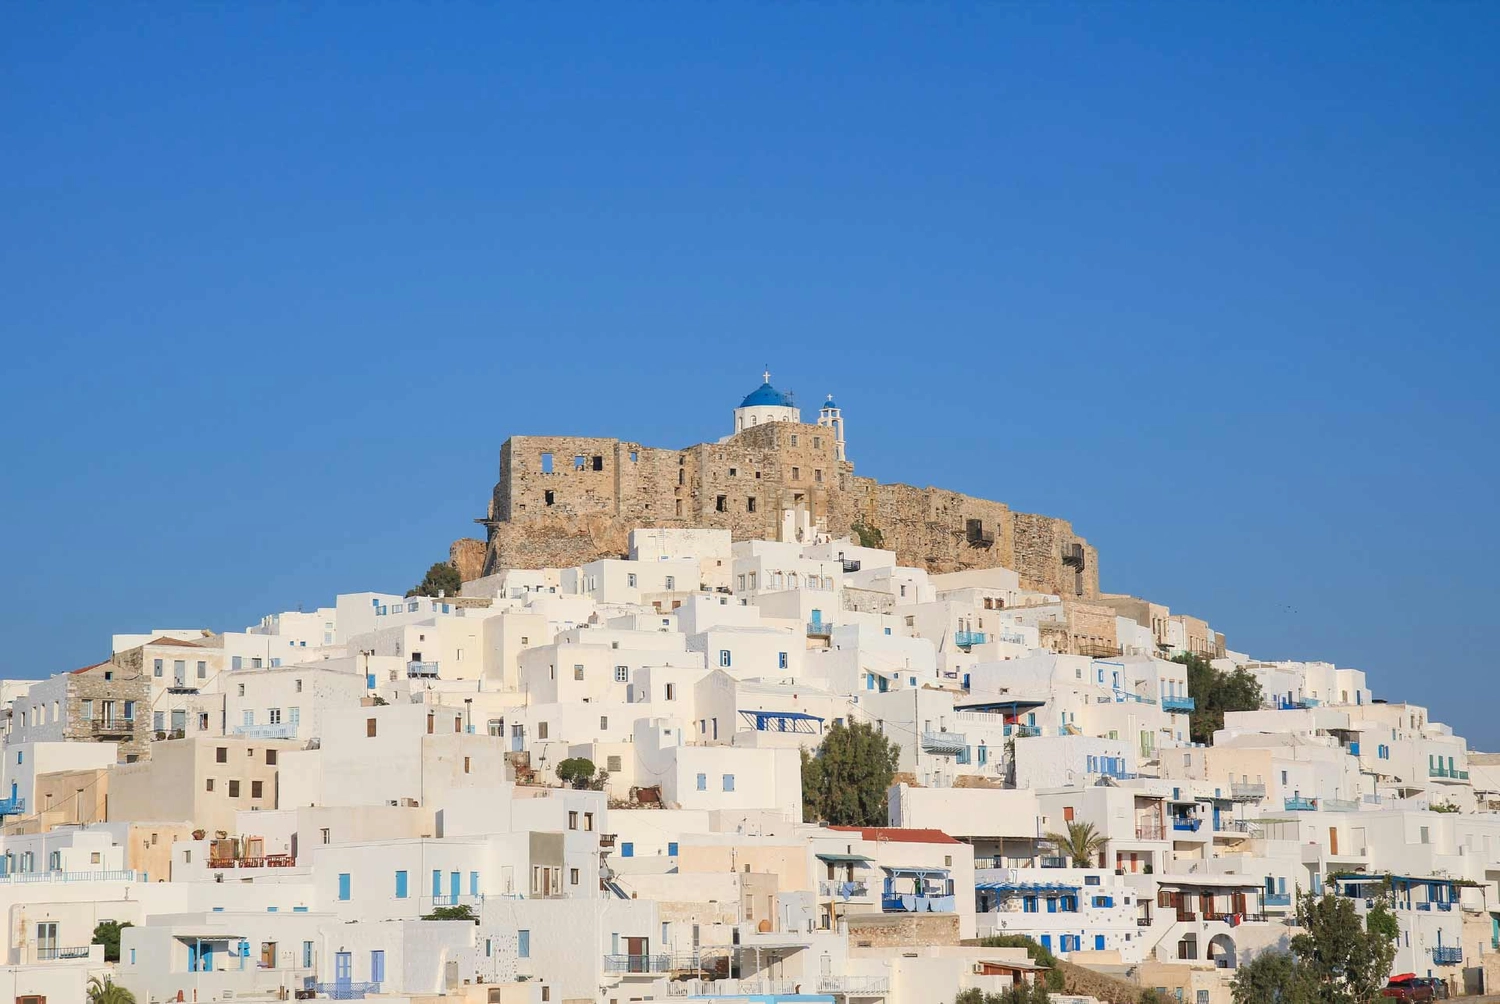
{"x":1178,"y":704}
{"x":1054,"y":861}
{"x":14,"y":806}
{"x":51,"y":954}
{"x":968,"y":639}
{"x":285,"y":730}
{"x":1247,"y":792}
{"x":262,"y":861}
{"x":1446,"y":955}
{"x":1276,"y":899}
{"x":1186,"y":823}
{"x":1338,"y":805}
{"x":850,"y":565}
{"x":638,"y":963}
{"x":1149,"y":831}
{"x":834,"y":889}
{"x":1236,"y":826}
{"x":344,"y":990}
{"x":112,"y":726}
{"x":422,"y":670}
{"x":1022,"y":731}
{"x":854,"y":986}
{"x":944,"y":742}
{"x":905,"y":902}
{"x":1299,"y":804}
{"x":19,"y":878}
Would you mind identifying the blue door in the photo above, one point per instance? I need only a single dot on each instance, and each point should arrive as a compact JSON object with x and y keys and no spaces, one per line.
{"x":1047,"y":942}
{"x":455,"y":889}
{"x":817,"y":617}
{"x":343,"y":971}
{"x":193,"y":958}
{"x":1098,"y":942}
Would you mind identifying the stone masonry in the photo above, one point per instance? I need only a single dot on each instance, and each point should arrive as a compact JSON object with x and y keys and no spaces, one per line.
{"x":566,"y":500}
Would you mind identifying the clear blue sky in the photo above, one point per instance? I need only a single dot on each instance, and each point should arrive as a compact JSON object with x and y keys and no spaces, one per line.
{"x":1216,"y":282}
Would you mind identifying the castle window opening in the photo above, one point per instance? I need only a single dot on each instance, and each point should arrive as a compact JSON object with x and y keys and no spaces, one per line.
{"x":796,"y":474}
{"x":818,"y":476}
{"x":549,"y":497}
{"x":750,"y":504}
{"x":679,"y":507}
{"x":757,"y":475}
{"x":817,"y":442}
{"x":634,"y":456}
{"x":794,"y":439}
{"x":732,"y":472}
{"x":546,"y":463}
{"x":721,"y":502}
{"x":598,"y":463}
{"x":681,"y":477}
{"x":578,"y":463}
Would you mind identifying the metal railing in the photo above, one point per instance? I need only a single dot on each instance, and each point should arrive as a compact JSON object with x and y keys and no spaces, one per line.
{"x":1022,"y":731}
{"x":344,"y":990}
{"x":1247,"y":792}
{"x":943,"y":742}
{"x":422,"y":670}
{"x":1446,"y":955}
{"x":1299,"y":804}
{"x":112,"y":726}
{"x":638,"y":963}
{"x":22,"y":878}
{"x":74,"y":952}
{"x":843,"y":890}
{"x":14,"y":806}
{"x":819,"y":629}
{"x":1186,"y":823}
{"x":1338,"y":805}
{"x":854,"y":986}
{"x":1149,"y":831}
{"x":1178,"y":704}
{"x":968,"y":639}
{"x":1276,"y":899}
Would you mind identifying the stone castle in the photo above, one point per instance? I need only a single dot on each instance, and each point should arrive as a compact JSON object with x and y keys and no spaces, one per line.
{"x":566,"y":500}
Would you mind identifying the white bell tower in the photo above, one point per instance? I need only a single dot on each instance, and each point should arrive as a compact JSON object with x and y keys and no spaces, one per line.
{"x":831,"y":417}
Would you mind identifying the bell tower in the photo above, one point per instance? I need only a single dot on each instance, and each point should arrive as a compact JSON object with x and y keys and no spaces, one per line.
{"x":831,"y":417}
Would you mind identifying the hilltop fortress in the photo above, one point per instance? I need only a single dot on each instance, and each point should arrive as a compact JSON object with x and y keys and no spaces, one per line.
{"x":567,"y":500}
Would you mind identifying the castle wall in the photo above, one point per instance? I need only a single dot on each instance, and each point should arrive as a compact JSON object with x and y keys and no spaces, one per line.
{"x":601,"y":489}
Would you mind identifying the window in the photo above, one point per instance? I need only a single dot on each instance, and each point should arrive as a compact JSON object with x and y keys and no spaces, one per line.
{"x":781,"y":660}
{"x":369,"y":728}
{"x":344,"y":887}
{"x":728,"y":782}
{"x":549,"y":497}
{"x":256,"y":787}
{"x":241,"y":692}
{"x":796,"y":474}
{"x":702,"y":782}
{"x":612,"y":764}
{"x":724,"y":657}
{"x":234,"y":789}
{"x":578,"y":463}
{"x":88,"y":710}
{"x":221,"y":754}
{"x":671,"y":691}
{"x":627,"y":849}
{"x":523,"y":944}
{"x":307,"y":954}
{"x":208,"y":784}
{"x":541,"y":730}
{"x":597,"y":463}
{"x":546,"y":463}
{"x":577,"y":671}
{"x":401,"y":887}
{"x":750,"y":504}
{"x":671,"y":582}
{"x":630,"y":580}
{"x":156,"y":668}
{"x":203,"y":721}
{"x":235,"y":662}
{"x":721,"y":503}
{"x":572,"y":876}
{"x":794,"y":439}
{"x":270,"y":758}
{"x":202,"y":670}
{"x":818,"y":475}
{"x":603,"y":722}
{"x":817,"y":442}
{"x":274,"y":715}
{"x":572,"y":820}
{"x":130,"y":711}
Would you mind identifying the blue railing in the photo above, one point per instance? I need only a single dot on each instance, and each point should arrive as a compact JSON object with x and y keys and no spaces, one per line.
{"x":1023,"y":730}
{"x":1447,"y":955}
{"x":1185,"y":823}
{"x":1277,"y":898}
{"x":1178,"y":704}
{"x":422,"y":669}
{"x":899,"y":902}
{"x":344,"y":990}
{"x":1301,"y":804}
{"x":819,"y":629}
{"x":965,"y":639}
{"x":13,"y":806}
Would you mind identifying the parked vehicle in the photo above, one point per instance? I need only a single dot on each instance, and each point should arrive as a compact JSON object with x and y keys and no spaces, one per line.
{"x":1407,"y":988}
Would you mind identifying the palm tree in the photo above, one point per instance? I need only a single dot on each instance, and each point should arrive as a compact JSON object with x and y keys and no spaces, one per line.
{"x":1081,"y":844}
{"x":108,"y":992}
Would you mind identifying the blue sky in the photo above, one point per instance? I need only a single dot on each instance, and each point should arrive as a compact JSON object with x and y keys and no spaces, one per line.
{"x":1216,"y":282}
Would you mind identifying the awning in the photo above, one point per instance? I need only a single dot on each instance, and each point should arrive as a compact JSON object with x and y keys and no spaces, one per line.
{"x":1011,"y":705}
{"x":1214,"y":881}
{"x":844,"y":859}
{"x":917,"y":870}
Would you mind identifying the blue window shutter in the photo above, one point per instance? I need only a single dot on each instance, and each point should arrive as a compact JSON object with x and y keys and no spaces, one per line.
{"x":672,"y":849}
{"x":627,"y":850}
{"x":344,"y":886}
{"x":401,"y":885}
{"x":473,"y":883}
{"x":523,"y":944}
{"x":437,"y":882}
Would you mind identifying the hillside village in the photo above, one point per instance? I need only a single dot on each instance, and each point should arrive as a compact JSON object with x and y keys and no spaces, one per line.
{"x":384,"y":798}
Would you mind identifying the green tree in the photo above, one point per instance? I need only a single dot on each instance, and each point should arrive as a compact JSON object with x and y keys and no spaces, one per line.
{"x":1273,"y":978}
{"x":464,"y":912}
{"x":1347,"y":959}
{"x":108,"y":935}
{"x":578,"y":772}
{"x":847,"y":781}
{"x":1081,"y":845}
{"x":107,"y":991}
{"x":1215,"y":692}
{"x":440,"y":578}
{"x":869,"y":536}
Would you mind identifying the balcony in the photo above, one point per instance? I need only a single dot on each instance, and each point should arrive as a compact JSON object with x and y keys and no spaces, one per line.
{"x":854,"y":986}
{"x":1054,"y":861}
{"x":944,"y":743}
{"x":638,"y":963}
{"x":344,"y":990}
{"x":1187,"y":824}
{"x":1339,"y":805}
{"x":1149,"y":831}
{"x":1244,"y":792}
{"x":52,"y":954}
{"x":1178,"y":704}
{"x":849,"y":565}
{"x":284,"y":730}
{"x":1022,"y":731}
{"x":1283,"y":899}
{"x":112,"y":726}
{"x":977,"y":535}
{"x":819,"y":629}
{"x":1447,"y":955}
{"x":1299,"y":804}
{"x":422,"y":670}
{"x":1235,"y":826}
{"x":968,"y":639}
{"x":13,"y":806}
{"x":23,"y":878}
{"x":905,"y":902}
{"x":834,"y":889}
{"x":261,"y":861}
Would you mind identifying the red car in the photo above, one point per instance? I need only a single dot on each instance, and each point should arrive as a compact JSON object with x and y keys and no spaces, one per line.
{"x":1407,"y":987}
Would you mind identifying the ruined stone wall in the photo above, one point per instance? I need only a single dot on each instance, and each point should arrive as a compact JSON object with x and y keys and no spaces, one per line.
{"x":890,"y":930}
{"x":601,"y":489}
